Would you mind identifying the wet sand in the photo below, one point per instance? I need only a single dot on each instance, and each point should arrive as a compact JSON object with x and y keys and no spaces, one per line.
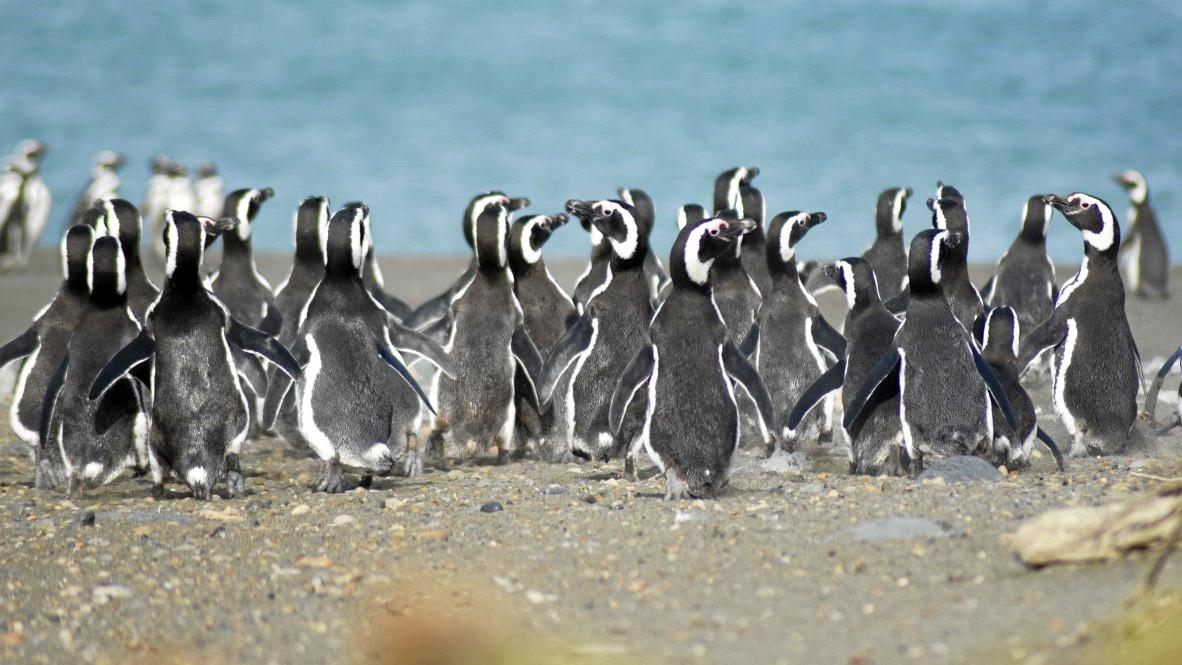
{"x":579,"y":566}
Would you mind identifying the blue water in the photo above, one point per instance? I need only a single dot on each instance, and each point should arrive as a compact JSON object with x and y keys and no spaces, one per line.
{"x":414,"y":107}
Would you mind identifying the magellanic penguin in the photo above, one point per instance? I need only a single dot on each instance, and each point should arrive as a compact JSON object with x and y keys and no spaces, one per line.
{"x":1025,"y":277}
{"x":753,"y":245}
{"x":375,"y":282}
{"x":1097,"y":370}
{"x":646,"y":215}
{"x":24,"y":203}
{"x":736,"y":294}
{"x":488,"y":342}
{"x":873,"y":443}
{"x":999,"y":347}
{"x":1143,"y":251}
{"x":600,"y":342}
{"x":97,"y":440}
{"x":435,"y":310}
{"x":169,"y":188}
{"x":208,"y":191}
{"x":358,"y":404}
{"x":121,"y":219}
{"x":544,"y":304}
{"x":237,"y":282}
{"x":945,"y":386}
{"x":44,"y":344}
{"x":686,"y":370}
{"x":103,"y":184}
{"x":888,"y":254}
{"x":728,"y":187}
{"x":792,"y":333}
{"x":199,"y":411}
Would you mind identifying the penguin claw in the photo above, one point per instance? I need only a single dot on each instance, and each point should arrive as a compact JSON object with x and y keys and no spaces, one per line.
{"x":235,"y":483}
{"x":332,"y":481}
{"x":412,"y":464}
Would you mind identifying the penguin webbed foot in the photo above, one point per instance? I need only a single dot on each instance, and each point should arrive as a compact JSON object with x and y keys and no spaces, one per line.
{"x":235,"y":481}
{"x":366,"y":481}
{"x":332,"y":481}
{"x":412,"y":464}
{"x":46,"y":477}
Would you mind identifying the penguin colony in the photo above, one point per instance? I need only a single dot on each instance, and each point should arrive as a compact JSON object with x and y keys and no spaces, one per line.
{"x":676,"y":365}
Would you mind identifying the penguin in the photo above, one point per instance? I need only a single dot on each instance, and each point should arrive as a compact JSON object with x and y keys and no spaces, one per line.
{"x":199,"y":411}
{"x":646,"y":215}
{"x":358,"y":405}
{"x":488,"y":341}
{"x":686,"y":371}
{"x":237,"y":282}
{"x":753,"y":245}
{"x":122,"y":220}
{"x":1096,"y":373}
{"x":1024,"y":279}
{"x":597,"y":346}
{"x":792,"y":333}
{"x":544,"y":304}
{"x":595,"y":274}
{"x":97,"y":440}
{"x":888,"y":254}
{"x":728,"y":187}
{"x":735,"y":293}
{"x":1143,"y":252}
{"x":375,"y":282}
{"x":104,"y":183}
{"x":25,"y":203}
{"x":436,"y":309}
{"x":208,"y":191}
{"x":44,"y":344}
{"x":874,"y":444}
{"x":1013,"y":446}
{"x":946,"y":389}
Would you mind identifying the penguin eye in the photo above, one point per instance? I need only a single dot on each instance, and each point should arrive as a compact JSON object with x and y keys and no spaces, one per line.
{"x":1085,"y":204}
{"x":714,"y":230}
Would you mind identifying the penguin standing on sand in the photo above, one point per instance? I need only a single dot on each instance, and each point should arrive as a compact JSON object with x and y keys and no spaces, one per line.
{"x":599,"y":344}
{"x":735,"y":293}
{"x":1143,"y":252}
{"x":753,"y":245}
{"x":947,"y":391}
{"x":685,"y":373}
{"x":237,"y":282}
{"x":103,"y":184}
{"x":792,"y":333}
{"x":1025,"y":277}
{"x":208,"y":191}
{"x":199,"y":412}
{"x":24,"y":203}
{"x":121,"y":219}
{"x":97,"y":440}
{"x":44,"y":344}
{"x":1097,"y":370}
{"x":875,"y":442}
{"x":488,"y":342}
{"x":888,"y":254}
{"x":359,"y":406}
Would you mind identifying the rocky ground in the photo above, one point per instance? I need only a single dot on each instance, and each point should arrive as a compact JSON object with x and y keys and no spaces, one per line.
{"x":533,"y":562}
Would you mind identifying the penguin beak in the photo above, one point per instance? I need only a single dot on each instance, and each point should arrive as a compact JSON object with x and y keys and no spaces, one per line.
{"x":932,"y":204}
{"x":517,"y":204}
{"x":752,"y":173}
{"x":580,"y":209}
{"x":1120,"y":179}
{"x":1060,"y":203}
{"x":816,"y":218}
{"x":265,"y":193}
{"x":738,"y":227}
{"x":907,"y":192}
{"x":558,"y":220}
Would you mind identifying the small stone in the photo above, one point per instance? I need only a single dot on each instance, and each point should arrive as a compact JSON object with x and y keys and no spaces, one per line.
{"x":108,"y":592}
{"x":314,"y":562}
{"x":780,"y":463}
{"x":301,"y":509}
{"x":553,"y":490}
{"x":219,"y":532}
{"x":591,"y":498}
{"x":341,"y":520}
{"x":538,"y":598}
{"x":85,"y":519}
{"x":492,"y":507}
{"x":394,"y":503}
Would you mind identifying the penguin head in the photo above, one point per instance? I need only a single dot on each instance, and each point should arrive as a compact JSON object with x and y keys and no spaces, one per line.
{"x":106,"y":271}
{"x":492,"y":236}
{"x":706,"y":481}
{"x":948,"y":192}
{"x":949,"y":214}
{"x":122,"y":220}
{"x":751,"y":205}
{"x":527,"y":236}
{"x":1135,"y":184}
{"x":617,"y":222}
{"x":75,"y":250}
{"x":786,"y":230}
{"x":109,"y":160}
{"x":727,"y":184}
{"x":95,"y":217}
{"x":1036,"y":219}
{"x":642,"y":203}
{"x":31,"y":150}
{"x":1002,"y":332}
{"x":892,"y":203}
{"x":928,"y":256}
{"x":207,"y":170}
{"x":690,"y":213}
{"x":348,"y":241}
{"x":186,"y":236}
{"x":699,"y":244}
{"x":160,"y":165}
{"x":855,"y":276}
{"x":482,"y":201}
{"x":244,"y":205}
{"x":311,"y":229}
{"x":1092,"y":216}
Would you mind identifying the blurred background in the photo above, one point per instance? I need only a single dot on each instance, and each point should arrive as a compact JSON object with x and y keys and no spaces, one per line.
{"x":414,"y":107}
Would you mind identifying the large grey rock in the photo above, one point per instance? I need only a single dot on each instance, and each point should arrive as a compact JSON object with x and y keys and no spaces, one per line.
{"x":961,"y":468}
{"x":897,"y":528}
{"x":780,"y":463}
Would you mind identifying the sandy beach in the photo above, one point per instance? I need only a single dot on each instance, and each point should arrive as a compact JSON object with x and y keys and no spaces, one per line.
{"x":577,"y":566}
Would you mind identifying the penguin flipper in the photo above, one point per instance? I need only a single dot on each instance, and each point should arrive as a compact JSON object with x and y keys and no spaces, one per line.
{"x":1047,"y":334}
{"x":635,"y":374}
{"x":823,"y":385}
{"x":529,"y":360}
{"x":20,"y":347}
{"x":52,"y":389}
{"x":278,"y":386}
{"x":1155,"y":388}
{"x":826,"y":336}
{"x":573,"y":343}
{"x":440,"y":306}
{"x":393,"y":304}
{"x":898,"y":303}
{"x":272,"y":323}
{"x":263,"y":345}
{"x":987,"y":290}
{"x":993,"y":383}
{"x":139,"y":350}
{"x":739,"y":368}
{"x":653,"y":268}
{"x":402,"y":370}
{"x":882,"y":369}
{"x":750,"y":343}
{"x":1050,"y":444}
{"x":422,"y":345}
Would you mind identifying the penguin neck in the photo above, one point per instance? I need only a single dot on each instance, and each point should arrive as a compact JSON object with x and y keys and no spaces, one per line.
{"x":131,"y":255}
{"x":1032,"y":235}
{"x":236,"y":251}
{"x":307,"y":249}
{"x":105,"y":295}
{"x":75,"y":281}
{"x":523,"y":268}
{"x":185,"y":277}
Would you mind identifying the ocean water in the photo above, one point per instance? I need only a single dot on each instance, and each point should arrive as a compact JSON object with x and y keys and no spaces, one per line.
{"x":413,"y":107}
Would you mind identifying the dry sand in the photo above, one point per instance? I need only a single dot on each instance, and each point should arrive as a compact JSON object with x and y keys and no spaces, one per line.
{"x":579,"y":566}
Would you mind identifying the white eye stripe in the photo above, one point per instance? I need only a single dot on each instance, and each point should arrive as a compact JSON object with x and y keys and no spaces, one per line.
{"x":1103,"y":239}
{"x":697,"y":269}
{"x":934,"y":261}
{"x":356,"y":237}
{"x":173,"y":240}
{"x":528,"y":251}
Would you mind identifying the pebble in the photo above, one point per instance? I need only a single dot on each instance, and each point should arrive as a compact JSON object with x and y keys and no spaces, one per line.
{"x":341,"y":520}
{"x":553,"y":490}
{"x":780,"y":463}
{"x":961,"y":468}
{"x":85,"y":519}
{"x":896,"y":528}
{"x":394,"y":503}
{"x":492,"y":507}
{"x":301,"y":509}
{"x":103,"y":594}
